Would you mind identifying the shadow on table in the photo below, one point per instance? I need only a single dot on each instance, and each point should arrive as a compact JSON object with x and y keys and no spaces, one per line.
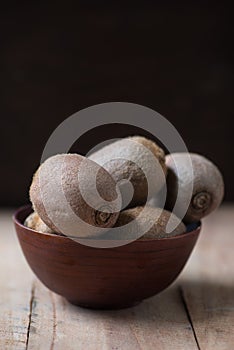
{"x":204,"y":299}
{"x":209,"y":296}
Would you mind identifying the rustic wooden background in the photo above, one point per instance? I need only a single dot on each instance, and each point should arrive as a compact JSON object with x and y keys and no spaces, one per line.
{"x":57,"y":59}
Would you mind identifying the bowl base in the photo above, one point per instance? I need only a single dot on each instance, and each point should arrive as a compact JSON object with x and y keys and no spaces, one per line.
{"x":104,"y":306}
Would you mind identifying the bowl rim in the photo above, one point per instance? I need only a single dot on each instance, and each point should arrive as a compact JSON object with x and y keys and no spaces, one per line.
{"x":57,"y":236}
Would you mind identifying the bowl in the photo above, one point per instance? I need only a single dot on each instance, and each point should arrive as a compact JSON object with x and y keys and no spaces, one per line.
{"x":103,"y":278}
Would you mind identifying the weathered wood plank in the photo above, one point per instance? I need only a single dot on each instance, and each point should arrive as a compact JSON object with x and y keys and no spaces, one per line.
{"x":15,"y":289}
{"x":43,"y":321}
{"x":158,"y":323}
{"x":208,"y":283}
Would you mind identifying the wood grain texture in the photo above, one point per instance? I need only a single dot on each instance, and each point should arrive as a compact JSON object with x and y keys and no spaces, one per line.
{"x":158,"y":323}
{"x":207,"y":283}
{"x":15,"y":289}
{"x":196,"y":312}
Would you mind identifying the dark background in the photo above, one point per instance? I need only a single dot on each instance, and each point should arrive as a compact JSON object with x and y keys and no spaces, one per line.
{"x":57,"y":59}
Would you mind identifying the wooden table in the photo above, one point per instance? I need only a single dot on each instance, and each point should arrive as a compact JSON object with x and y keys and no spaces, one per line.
{"x":196,"y":312}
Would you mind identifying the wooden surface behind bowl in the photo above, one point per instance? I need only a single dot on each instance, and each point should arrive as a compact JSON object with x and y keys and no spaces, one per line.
{"x":103,"y":277}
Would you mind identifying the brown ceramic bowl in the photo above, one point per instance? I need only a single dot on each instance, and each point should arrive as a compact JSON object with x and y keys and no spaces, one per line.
{"x":103,"y":277}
